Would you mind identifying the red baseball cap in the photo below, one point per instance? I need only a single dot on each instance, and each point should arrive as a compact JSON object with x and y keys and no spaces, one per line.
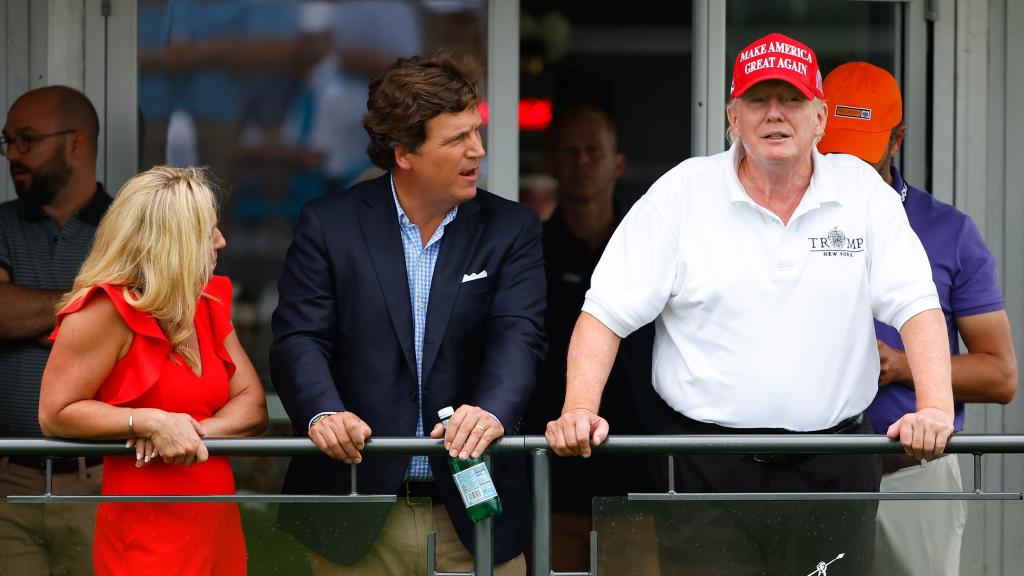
{"x":777,"y":57}
{"x":864,"y":104}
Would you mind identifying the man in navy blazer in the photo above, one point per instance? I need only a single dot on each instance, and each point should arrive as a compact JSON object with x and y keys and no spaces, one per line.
{"x":400,"y":296}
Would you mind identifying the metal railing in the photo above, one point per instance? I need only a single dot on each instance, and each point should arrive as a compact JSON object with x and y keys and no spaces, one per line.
{"x":536,"y":447}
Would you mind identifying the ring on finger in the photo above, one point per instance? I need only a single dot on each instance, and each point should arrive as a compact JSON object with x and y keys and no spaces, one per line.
{"x":480,"y":428}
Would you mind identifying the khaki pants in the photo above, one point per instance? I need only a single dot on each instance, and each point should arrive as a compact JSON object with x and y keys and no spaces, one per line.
{"x":46,"y":539}
{"x":401,"y":548}
{"x":921,"y":538}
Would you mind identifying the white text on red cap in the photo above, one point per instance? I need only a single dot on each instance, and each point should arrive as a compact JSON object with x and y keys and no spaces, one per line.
{"x":778,"y":47}
{"x":769,"y":62}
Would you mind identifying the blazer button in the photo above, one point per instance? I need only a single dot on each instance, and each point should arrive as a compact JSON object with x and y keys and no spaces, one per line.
{"x":413,"y":395}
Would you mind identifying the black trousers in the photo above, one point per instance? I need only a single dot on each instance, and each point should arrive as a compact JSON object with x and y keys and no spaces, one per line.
{"x":768,"y":537}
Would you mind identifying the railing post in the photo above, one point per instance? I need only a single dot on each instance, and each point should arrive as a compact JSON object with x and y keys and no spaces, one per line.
{"x":593,"y":553}
{"x":352,"y":484}
{"x":671,"y":473}
{"x":483,"y":555}
{"x":977,"y":472}
{"x":541,"y":513}
{"x":431,"y":554}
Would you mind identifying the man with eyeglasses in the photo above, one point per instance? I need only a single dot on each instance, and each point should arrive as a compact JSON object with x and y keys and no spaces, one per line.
{"x":49,"y":141}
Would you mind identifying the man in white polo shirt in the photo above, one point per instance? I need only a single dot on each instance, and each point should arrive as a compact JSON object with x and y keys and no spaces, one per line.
{"x":762,"y":268}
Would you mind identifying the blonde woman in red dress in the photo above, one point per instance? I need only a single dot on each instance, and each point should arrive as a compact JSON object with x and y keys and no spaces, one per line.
{"x":144,"y":351}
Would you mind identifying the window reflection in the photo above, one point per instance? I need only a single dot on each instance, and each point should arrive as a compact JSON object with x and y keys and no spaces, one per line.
{"x":270,"y":94}
{"x":838,"y":31}
{"x":632,"y":60}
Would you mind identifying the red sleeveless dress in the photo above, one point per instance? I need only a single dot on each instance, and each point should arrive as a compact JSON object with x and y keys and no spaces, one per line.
{"x":168,"y":538}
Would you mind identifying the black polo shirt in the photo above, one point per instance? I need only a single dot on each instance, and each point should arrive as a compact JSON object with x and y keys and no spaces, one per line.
{"x":36,"y":253}
{"x":629,"y":403}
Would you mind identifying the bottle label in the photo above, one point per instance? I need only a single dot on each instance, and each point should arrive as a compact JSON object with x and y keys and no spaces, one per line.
{"x":474,"y":484}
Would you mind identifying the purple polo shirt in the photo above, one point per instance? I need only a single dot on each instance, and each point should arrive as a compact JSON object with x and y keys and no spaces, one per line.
{"x":964,"y":272}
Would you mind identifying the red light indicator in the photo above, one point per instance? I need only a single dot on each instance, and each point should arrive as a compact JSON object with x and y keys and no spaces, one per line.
{"x":534,"y":114}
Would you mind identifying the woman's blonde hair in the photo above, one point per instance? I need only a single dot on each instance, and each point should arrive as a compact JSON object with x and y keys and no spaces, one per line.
{"x":156,"y":243}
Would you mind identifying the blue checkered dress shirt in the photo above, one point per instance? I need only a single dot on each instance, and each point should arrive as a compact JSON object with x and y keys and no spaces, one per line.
{"x":419,"y":266}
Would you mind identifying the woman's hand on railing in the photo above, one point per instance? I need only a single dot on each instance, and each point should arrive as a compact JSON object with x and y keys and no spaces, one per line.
{"x":574,"y":432}
{"x":145,"y":450}
{"x":176,"y":437}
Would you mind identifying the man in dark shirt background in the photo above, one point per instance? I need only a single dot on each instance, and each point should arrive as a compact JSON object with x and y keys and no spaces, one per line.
{"x":50,"y":142}
{"x":585,"y":160}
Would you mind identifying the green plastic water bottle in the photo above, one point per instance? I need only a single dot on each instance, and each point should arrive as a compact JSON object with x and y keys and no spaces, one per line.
{"x":473,"y":481}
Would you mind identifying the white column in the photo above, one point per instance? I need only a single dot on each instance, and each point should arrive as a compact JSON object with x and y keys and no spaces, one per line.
{"x":65,"y":56}
{"x":14,"y":59}
{"x":943,"y":99}
{"x":709,"y":78}
{"x":503,"y":98}
{"x":121,"y":107}
{"x":915,"y":93}
{"x":94,"y":77}
{"x":970,"y":144}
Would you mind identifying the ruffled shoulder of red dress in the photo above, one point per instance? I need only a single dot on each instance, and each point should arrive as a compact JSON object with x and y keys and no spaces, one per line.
{"x":218,"y":294}
{"x":140,"y":322}
{"x":140,"y":369}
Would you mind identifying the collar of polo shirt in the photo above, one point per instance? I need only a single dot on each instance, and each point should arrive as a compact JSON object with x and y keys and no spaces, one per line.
{"x":819,"y":191}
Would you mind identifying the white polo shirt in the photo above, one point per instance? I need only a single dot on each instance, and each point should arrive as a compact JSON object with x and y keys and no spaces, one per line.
{"x":761,"y":324}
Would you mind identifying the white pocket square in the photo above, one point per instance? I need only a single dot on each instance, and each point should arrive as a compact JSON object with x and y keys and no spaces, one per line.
{"x":471,"y":277}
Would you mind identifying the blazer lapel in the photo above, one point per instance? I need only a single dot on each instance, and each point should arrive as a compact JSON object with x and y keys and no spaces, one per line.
{"x":457,"y":245}
{"x":383,"y":237}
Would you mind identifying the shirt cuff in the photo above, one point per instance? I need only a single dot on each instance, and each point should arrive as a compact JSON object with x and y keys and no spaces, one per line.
{"x":929,"y":302}
{"x":321,"y":415}
{"x":593,"y":306}
{"x":318,"y":418}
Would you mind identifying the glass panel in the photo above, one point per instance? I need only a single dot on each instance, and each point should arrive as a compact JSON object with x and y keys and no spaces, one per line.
{"x":270,"y":94}
{"x":27,"y":531}
{"x":630,"y":59}
{"x":665,"y":538}
{"x":215,"y":538}
{"x":837,"y":30}
{"x":280,"y":536}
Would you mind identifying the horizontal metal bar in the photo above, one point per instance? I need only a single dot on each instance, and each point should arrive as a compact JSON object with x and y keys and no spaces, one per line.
{"x":683,"y":444}
{"x":817,"y":496}
{"x":801,"y":443}
{"x":634,"y":497}
{"x":261,"y":498}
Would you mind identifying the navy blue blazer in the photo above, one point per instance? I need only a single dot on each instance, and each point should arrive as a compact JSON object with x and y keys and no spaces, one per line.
{"x":343,"y":340}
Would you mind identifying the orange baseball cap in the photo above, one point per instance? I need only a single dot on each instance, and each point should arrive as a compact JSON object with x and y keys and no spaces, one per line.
{"x":777,"y":57}
{"x":864,"y":104}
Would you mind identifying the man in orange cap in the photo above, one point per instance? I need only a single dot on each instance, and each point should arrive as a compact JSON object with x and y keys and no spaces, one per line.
{"x":762,"y":267}
{"x":918,"y":537}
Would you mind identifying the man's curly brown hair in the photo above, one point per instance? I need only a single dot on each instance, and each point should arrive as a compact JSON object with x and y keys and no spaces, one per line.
{"x":408,"y":94}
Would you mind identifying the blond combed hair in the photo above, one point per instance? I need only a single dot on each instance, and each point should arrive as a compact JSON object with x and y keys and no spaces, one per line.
{"x":156,"y":243}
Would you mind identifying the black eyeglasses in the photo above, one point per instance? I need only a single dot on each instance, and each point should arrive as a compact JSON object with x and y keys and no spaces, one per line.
{"x":23,"y":142}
